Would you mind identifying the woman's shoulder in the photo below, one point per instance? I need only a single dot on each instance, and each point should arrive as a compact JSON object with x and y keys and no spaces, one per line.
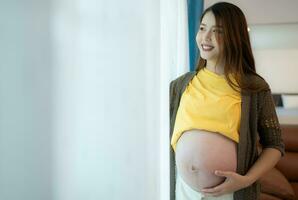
{"x":259,"y":81}
{"x":184,"y":77}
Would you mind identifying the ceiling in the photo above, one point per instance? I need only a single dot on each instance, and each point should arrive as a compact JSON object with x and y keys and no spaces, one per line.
{"x":265,"y":11}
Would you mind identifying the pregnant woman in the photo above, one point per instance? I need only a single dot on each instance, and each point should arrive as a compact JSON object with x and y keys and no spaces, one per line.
{"x":219,"y":113}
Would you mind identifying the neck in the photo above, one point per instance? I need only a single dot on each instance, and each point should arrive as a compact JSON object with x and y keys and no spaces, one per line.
{"x":215,"y":67}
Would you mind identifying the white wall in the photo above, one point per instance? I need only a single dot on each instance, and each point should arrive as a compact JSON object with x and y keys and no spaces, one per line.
{"x":279,"y":67}
{"x":275,"y":48}
{"x":25,"y":101}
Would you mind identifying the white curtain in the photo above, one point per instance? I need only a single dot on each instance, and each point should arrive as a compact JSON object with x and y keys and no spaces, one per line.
{"x":174,"y":61}
{"x":106,"y":99}
{"x":174,"y":36}
{"x":84,"y":91}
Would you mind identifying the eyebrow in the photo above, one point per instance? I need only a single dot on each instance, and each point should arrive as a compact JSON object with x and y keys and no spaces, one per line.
{"x":217,"y":26}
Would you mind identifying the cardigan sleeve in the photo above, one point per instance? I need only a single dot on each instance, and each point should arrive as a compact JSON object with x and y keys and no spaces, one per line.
{"x":268,"y":125}
{"x":171,"y":94}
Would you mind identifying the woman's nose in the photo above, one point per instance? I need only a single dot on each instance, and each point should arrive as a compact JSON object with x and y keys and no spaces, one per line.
{"x":207,"y":35}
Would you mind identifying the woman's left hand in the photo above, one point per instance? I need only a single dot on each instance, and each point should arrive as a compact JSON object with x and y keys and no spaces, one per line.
{"x":232,"y":183}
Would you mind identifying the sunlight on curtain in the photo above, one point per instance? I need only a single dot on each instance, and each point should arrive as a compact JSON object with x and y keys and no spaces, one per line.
{"x":106,"y":99}
{"x":174,"y":61}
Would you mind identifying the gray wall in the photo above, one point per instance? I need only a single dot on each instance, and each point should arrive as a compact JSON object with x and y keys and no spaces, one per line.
{"x":25,"y":100}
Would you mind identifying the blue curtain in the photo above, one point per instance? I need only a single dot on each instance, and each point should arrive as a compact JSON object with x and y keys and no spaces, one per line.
{"x":195,"y":9}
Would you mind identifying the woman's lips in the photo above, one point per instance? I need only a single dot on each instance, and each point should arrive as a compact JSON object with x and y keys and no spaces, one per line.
{"x":207,"y":47}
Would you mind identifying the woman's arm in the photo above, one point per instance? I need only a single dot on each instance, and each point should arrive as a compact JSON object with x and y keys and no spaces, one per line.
{"x":268,"y":125}
{"x":273,"y":148}
{"x":270,"y":138}
{"x":267,"y":160}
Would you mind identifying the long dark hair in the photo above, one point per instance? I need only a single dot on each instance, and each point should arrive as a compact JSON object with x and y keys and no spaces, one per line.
{"x":237,"y":52}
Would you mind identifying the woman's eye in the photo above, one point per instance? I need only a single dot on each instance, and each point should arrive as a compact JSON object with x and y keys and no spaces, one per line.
{"x":217,"y":31}
{"x":201,"y":28}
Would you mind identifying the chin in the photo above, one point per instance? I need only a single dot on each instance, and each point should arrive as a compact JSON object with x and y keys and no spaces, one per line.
{"x":207,"y":57}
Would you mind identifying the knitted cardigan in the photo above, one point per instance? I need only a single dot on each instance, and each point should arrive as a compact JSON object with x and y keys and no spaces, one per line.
{"x":258,"y":123}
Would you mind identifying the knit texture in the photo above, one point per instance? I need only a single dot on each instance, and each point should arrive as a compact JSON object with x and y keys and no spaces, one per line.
{"x":259,"y":123}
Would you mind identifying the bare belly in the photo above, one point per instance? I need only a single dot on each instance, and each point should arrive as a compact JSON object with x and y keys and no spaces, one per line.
{"x":199,"y":153}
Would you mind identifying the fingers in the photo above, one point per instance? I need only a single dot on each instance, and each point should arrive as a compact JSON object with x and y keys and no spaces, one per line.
{"x":223,"y":188}
{"x":213,"y":190}
{"x":223,"y":173}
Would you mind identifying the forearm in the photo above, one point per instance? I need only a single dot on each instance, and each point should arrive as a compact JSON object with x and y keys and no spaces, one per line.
{"x":267,"y":160}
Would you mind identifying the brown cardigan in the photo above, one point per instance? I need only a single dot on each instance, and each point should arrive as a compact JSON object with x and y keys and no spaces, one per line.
{"x":258,"y":123}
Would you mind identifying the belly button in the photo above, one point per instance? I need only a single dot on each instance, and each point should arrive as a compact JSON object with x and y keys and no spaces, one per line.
{"x":193,"y":169}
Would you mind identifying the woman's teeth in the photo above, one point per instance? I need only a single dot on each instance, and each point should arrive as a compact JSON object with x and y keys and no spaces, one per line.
{"x":207,"y":47}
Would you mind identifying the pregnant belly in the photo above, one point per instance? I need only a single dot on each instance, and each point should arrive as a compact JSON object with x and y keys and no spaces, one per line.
{"x":199,"y":153}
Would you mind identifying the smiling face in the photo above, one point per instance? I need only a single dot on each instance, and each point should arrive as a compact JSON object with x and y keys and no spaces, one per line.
{"x":209,"y":38}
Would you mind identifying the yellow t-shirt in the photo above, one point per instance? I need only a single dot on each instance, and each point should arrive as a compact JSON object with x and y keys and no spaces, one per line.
{"x":208,"y":103}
